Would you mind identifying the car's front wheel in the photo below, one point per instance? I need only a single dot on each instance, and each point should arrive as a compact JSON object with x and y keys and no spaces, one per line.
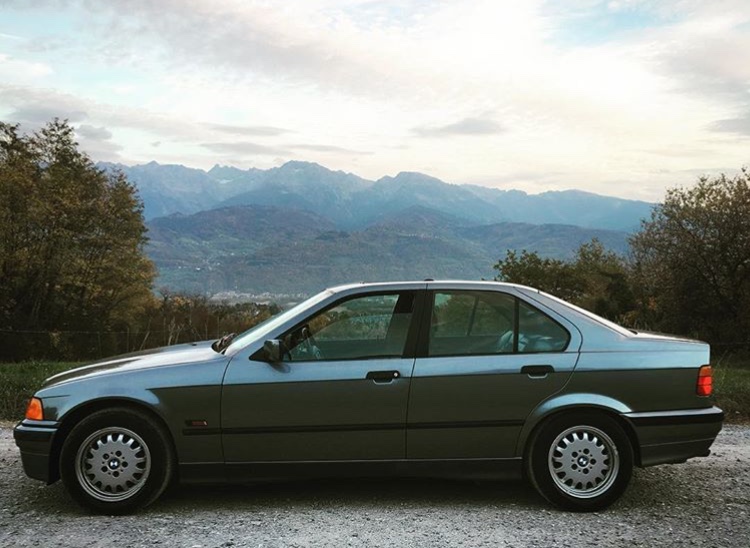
{"x":580,"y":461}
{"x":116,"y":461}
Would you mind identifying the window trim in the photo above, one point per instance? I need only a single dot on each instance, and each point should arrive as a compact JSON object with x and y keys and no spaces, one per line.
{"x":517,"y":325}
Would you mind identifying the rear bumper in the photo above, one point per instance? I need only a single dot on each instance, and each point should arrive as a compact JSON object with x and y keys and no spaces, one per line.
{"x":675,"y":436}
{"x":35,"y":439}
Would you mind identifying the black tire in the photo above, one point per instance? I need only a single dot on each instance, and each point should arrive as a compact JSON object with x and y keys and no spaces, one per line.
{"x":580,"y":461}
{"x":116,"y":461}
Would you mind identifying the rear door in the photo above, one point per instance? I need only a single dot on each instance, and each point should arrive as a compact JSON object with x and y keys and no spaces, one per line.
{"x":487,"y":359}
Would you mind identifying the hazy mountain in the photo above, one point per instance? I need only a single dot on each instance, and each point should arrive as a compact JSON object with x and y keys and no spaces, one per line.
{"x":390,"y":195}
{"x":352,"y":202}
{"x":167,"y":189}
{"x":300,"y":227}
{"x":227,"y":174}
{"x":565,"y":207}
{"x":282,"y":250}
{"x":308,"y":186}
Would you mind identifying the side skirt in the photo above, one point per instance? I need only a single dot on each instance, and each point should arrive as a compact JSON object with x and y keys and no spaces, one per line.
{"x":236,"y":472}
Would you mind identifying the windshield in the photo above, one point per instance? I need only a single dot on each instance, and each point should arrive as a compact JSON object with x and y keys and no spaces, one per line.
{"x":263,"y":328}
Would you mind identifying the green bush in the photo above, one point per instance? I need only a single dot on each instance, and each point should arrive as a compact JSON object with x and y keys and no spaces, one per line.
{"x":732,"y":387}
{"x":19,"y":381}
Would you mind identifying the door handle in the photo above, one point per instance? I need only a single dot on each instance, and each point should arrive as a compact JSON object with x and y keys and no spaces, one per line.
{"x":537,"y":371}
{"x":383,"y":376}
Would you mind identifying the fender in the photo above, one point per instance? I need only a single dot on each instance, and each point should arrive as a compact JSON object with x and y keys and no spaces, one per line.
{"x":564,"y":402}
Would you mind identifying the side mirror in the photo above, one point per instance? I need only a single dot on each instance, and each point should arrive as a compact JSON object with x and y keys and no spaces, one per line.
{"x":274,"y":350}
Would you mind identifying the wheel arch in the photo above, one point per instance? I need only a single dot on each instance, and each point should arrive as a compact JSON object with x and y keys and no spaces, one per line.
{"x":75,"y":415}
{"x":571,"y":403}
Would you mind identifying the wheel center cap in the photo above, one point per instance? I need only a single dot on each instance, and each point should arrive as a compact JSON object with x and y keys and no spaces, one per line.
{"x":113,"y":464}
{"x":583,"y":461}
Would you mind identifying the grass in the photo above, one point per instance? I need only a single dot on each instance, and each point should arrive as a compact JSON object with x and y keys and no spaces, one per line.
{"x":19,"y":381}
{"x":732,"y":387}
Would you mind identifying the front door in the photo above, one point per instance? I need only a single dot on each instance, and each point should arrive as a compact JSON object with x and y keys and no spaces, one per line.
{"x":340,"y":392}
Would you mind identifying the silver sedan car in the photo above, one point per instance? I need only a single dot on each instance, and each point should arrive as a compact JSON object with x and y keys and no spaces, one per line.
{"x":428,"y":378}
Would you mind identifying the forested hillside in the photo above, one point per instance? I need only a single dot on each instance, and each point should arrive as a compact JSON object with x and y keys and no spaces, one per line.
{"x":256,"y":249}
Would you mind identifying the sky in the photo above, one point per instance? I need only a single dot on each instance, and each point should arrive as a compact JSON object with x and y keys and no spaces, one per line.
{"x":622,"y":98}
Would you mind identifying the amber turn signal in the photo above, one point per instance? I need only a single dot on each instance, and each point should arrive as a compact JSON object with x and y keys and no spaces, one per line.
{"x":35,"y":411}
{"x":704,"y":387}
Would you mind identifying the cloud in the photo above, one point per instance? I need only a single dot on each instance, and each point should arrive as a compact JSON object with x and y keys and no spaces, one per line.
{"x":249,"y":131}
{"x":467,"y":126}
{"x":34,"y":106}
{"x":12,"y":68}
{"x":327,"y":148}
{"x":244,"y":147}
{"x":247,"y":40}
{"x":385,"y":51}
{"x":256,"y":149}
{"x":97,"y":142}
{"x":37,"y":115}
{"x":411,"y":81}
{"x":717,"y":65}
{"x":94,"y":133}
{"x":704,"y":50}
{"x":740,"y":126}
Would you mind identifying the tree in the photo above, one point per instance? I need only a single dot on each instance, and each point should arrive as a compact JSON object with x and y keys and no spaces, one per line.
{"x":605,"y":277}
{"x":692,"y":260}
{"x":596,"y":279}
{"x":550,"y":275}
{"x":71,"y":237}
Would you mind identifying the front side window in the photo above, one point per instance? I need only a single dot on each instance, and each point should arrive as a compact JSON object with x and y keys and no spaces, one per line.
{"x":488,"y":322}
{"x":370,"y":326}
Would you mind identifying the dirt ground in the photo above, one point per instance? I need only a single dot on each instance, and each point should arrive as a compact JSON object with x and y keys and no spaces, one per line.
{"x":704,"y":502}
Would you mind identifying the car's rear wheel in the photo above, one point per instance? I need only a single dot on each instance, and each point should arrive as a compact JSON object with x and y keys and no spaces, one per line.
{"x":116,"y":461}
{"x":580,"y":461}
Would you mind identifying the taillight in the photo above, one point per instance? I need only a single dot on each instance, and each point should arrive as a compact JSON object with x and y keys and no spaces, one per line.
{"x":704,"y":387}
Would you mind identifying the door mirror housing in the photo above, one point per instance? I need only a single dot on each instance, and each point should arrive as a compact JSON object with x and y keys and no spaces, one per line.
{"x":274,"y":350}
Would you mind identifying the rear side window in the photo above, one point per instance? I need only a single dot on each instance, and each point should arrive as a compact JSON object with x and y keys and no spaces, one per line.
{"x":537,"y":332}
{"x":490,"y":322}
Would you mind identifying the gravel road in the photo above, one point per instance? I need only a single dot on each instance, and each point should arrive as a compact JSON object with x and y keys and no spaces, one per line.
{"x":704,"y":502}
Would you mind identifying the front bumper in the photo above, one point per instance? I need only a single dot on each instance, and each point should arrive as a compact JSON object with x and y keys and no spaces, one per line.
{"x":35,"y":440}
{"x":674,"y":436}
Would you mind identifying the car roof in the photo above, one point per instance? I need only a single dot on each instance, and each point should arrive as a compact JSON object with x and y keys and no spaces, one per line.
{"x":428,"y":283}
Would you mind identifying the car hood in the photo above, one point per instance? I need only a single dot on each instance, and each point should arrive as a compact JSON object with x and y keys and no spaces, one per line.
{"x":168,"y":355}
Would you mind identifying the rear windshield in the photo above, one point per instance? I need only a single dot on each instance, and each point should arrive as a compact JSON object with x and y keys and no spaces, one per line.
{"x":590,"y":315}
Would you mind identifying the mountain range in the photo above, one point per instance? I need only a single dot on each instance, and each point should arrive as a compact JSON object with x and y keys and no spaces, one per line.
{"x":300,"y":227}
